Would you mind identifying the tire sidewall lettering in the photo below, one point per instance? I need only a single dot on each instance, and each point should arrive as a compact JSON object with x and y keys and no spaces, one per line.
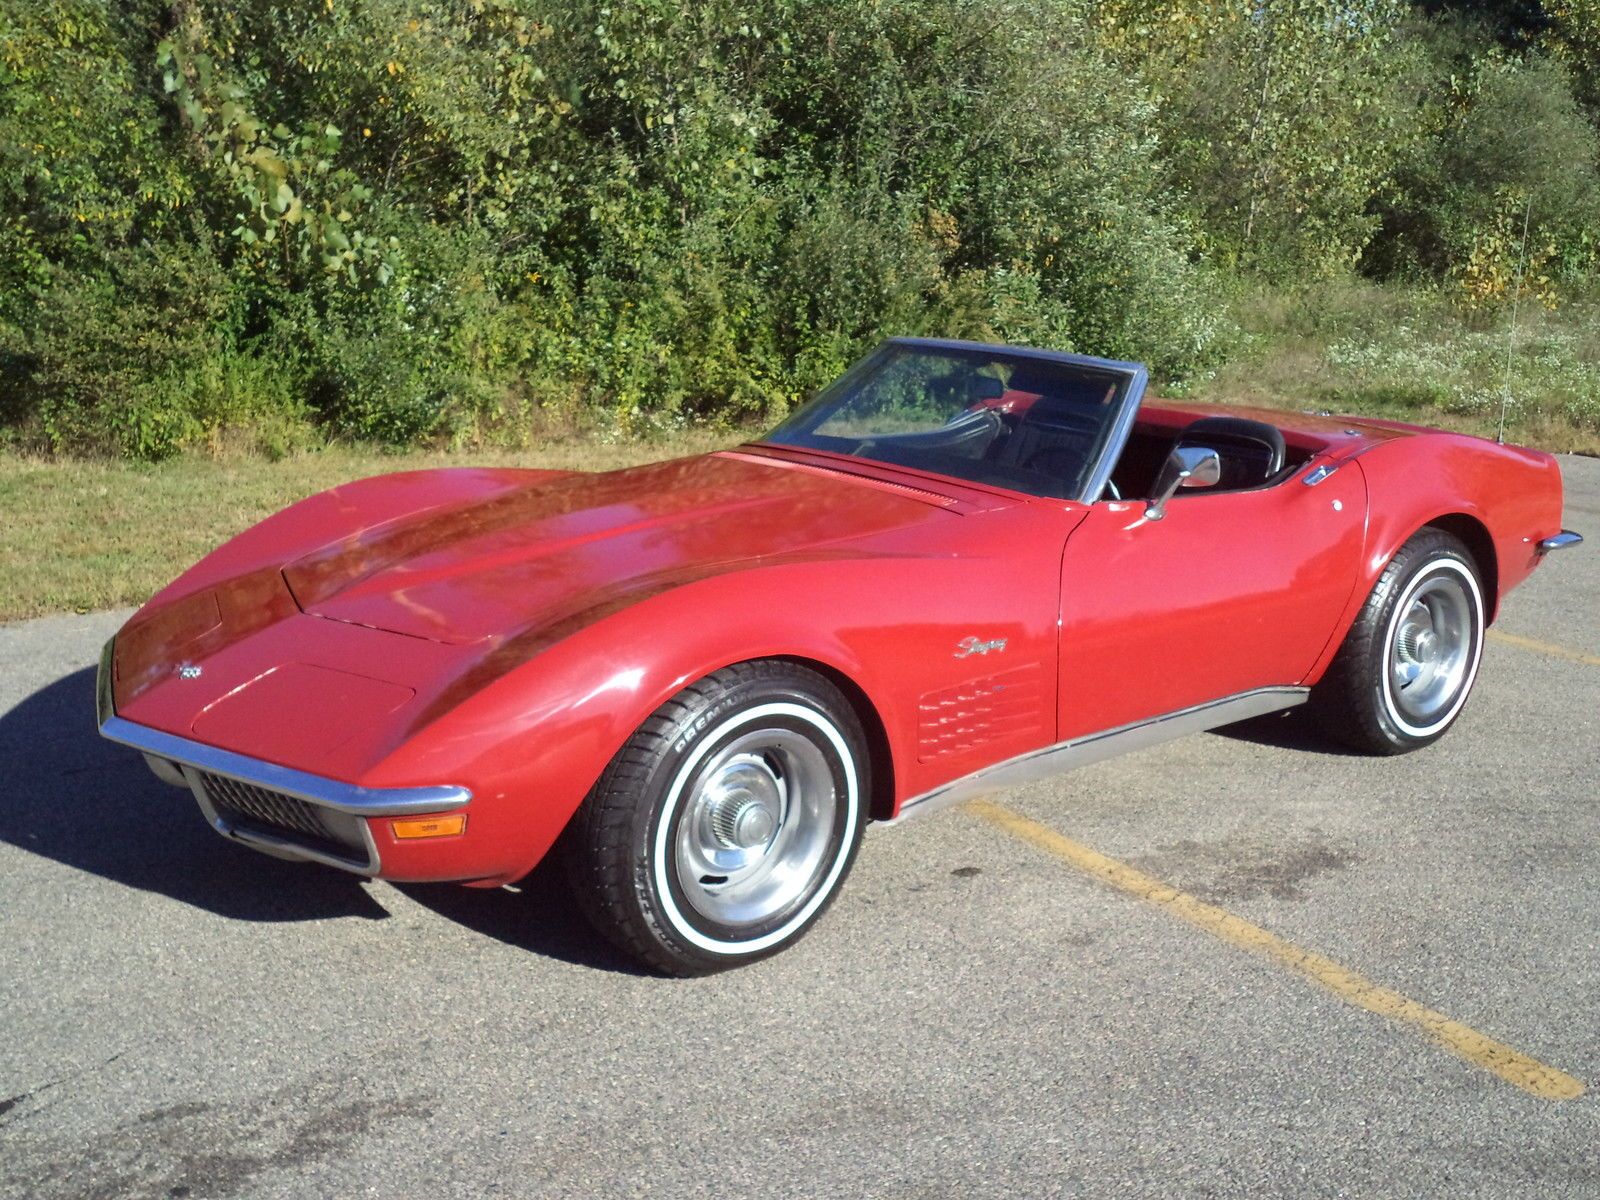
{"x":718,"y":724}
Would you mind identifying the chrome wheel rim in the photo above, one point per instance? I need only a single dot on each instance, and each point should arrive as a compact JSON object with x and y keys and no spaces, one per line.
{"x":754,"y":833}
{"x":1431,"y":649}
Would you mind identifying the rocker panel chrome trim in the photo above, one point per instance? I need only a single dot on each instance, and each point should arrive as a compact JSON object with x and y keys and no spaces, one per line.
{"x":1095,"y":747}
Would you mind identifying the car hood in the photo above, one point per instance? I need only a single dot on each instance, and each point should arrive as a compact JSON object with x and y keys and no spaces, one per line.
{"x":536,"y":556}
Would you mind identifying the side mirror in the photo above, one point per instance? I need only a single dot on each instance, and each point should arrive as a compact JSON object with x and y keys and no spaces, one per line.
{"x":1186,"y":467}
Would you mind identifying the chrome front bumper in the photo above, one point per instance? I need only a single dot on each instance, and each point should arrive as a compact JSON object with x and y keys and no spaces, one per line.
{"x":1561,"y":541}
{"x":272,"y":808}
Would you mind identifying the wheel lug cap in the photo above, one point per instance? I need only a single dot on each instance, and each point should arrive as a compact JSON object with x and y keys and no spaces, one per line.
{"x":755,"y":826}
{"x":743,"y":824}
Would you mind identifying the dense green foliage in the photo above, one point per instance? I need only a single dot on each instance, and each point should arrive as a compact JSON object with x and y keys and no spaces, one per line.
{"x":402,"y":220}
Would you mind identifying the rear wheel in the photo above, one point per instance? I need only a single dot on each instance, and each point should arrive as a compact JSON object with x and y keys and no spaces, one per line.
{"x":1408,"y":663}
{"x":728,"y":822}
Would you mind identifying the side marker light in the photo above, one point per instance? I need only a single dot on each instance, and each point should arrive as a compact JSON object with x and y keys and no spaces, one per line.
{"x":430,"y":827}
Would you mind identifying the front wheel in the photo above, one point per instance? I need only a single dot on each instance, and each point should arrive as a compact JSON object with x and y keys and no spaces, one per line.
{"x":725,"y":826}
{"x":1408,"y":663}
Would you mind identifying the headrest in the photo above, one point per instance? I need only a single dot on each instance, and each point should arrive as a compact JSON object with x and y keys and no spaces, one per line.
{"x":1262,"y":446}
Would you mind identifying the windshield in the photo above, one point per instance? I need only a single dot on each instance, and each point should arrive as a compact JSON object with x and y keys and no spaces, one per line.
{"x":1033,"y":423}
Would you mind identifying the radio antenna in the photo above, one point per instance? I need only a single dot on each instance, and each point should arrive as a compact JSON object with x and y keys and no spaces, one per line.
{"x":1511,"y":334}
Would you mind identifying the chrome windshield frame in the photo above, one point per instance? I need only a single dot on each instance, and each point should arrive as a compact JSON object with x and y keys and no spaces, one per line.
{"x":1134,"y":376}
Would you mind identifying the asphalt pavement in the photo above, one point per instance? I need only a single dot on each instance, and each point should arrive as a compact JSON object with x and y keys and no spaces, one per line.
{"x":979,"y":1015}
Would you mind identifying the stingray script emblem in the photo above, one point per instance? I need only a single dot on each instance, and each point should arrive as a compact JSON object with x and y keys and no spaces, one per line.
{"x":968,"y":646}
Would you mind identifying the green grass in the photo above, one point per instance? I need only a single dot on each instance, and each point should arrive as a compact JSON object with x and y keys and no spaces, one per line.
{"x":1413,"y":355}
{"x":81,"y":535}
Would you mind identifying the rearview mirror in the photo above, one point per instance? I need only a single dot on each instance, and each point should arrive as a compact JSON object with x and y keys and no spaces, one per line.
{"x":1186,"y":467}
{"x":985,"y":387}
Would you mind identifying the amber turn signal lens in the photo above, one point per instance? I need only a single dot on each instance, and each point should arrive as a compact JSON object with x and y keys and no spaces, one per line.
{"x":426,"y":827}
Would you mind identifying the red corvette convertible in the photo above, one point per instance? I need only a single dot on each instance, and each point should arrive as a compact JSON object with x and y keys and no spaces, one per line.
{"x":957,"y":568}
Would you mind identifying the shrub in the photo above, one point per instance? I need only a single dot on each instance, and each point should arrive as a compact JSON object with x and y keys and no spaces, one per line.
{"x":1282,"y":121}
{"x":105,"y":351}
{"x":1510,"y":148}
{"x":416,"y":220}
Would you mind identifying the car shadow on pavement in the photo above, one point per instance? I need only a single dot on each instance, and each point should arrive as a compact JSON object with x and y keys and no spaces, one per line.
{"x":540,"y":916}
{"x":1292,"y":729}
{"x":74,"y":797}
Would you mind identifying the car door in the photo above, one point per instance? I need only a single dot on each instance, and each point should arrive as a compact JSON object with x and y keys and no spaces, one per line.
{"x":1227,"y":593}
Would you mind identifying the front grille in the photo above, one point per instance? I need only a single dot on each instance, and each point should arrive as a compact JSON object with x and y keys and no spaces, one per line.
{"x":234,"y":798}
{"x":250,"y":808}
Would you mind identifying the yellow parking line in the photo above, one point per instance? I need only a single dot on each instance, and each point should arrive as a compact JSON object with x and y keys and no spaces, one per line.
{"x":1554,"y":651}
{"x":1527,"y":1073}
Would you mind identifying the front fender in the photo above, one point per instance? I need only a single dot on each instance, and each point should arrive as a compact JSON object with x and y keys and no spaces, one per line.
{"x":531,"y":743}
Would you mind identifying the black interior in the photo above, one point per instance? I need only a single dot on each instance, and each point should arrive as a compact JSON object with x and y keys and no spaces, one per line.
{"x":1253,"y":454}
{"x":1056,"y":436}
